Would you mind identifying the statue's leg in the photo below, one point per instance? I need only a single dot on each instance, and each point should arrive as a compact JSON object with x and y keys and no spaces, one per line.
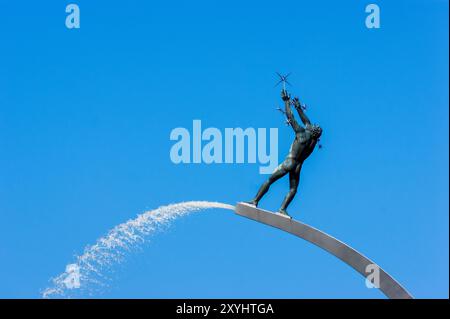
{"x":279,"y":172}
{"x":294,"y":178}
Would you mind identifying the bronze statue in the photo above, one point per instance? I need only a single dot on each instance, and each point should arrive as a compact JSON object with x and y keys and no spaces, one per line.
{"x":303,"y":145}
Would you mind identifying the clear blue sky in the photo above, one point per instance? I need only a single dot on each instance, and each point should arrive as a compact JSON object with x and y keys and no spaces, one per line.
{"x":85,"y":118}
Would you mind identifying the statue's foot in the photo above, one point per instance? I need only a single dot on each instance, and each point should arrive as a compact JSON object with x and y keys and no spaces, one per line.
{"x":252,"y":202}
{"x":284,"y":212}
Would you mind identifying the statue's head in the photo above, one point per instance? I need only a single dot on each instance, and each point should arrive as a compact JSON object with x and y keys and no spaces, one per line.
{"x":316,"y":131}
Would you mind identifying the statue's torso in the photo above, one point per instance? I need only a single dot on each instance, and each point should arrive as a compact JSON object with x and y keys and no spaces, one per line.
{"x":302,"y":146}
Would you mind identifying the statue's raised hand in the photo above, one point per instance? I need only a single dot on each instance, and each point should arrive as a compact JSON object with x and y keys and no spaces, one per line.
{"x":285,"y":96}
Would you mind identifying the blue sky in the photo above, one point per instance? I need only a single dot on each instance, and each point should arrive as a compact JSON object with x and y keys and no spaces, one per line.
{"x":85,"y":118}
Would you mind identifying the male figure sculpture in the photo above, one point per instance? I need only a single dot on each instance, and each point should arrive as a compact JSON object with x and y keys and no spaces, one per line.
{"x":304,"y":143}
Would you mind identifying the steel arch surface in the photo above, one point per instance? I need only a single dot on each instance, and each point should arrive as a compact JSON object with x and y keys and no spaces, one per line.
{"x":387,"y":284}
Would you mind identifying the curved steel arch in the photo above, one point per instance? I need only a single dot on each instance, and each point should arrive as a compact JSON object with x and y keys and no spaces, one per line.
{"x":388,"y":285}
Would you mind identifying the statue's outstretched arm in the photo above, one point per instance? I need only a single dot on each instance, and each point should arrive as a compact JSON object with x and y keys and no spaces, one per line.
{"x":287,"y":105}
{"x":300,"y":111}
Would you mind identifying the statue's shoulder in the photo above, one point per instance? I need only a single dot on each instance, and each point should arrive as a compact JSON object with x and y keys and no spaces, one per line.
{"x":303,"y":136}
